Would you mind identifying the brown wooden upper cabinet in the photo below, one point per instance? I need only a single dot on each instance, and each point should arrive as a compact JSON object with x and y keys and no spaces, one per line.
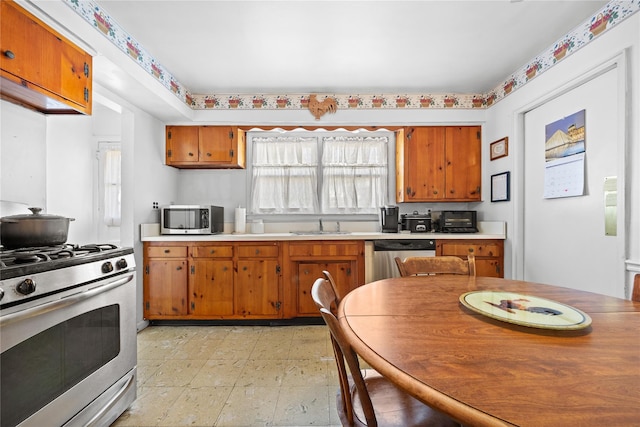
{"x":439,"y":163}
{"x":214,"y":147}
{"x":40,"y":68}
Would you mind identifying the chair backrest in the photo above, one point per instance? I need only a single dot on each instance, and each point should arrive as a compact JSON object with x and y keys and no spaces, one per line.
{"x":329,"y":277}
{"x":324,"y":296}
{"x":635,"y":295}
{"x":416,"y":266}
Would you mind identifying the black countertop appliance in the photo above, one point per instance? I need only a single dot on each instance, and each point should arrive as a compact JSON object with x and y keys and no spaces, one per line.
{"x":389,"y":219}
{"x":416,"y":222}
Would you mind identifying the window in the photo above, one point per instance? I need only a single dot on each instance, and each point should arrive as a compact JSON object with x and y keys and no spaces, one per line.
{"x":319,"y":173}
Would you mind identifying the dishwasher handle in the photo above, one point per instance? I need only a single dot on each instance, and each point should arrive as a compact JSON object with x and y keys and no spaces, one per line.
{"x":404,"y":245}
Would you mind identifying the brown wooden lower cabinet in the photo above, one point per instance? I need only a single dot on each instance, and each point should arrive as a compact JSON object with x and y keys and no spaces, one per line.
{"x":244,"y":280}
{"x":258,"y":281}
{"x":489,"y":254}
{"x":266,"y":280}
{"x":306,"y":261}
{"x":165,"y":281}
{"x":201,"y":280}
{"x":211,"y":281}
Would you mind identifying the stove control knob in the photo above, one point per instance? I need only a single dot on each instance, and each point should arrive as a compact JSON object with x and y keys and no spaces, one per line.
{"x":26,"y":287}
{"x":122,"y":263}
{"x":107,"y":267}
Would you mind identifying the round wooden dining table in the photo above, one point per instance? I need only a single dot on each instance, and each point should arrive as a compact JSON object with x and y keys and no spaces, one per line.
{"x":488,"y":372}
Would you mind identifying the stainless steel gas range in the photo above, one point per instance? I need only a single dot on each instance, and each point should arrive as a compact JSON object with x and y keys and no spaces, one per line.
{"x":67,"y":335}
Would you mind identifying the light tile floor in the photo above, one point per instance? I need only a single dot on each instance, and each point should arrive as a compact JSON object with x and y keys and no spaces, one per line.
{"x":234,"y":376}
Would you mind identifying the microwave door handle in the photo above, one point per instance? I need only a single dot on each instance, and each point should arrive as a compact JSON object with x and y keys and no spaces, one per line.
{"x":55,"y":305}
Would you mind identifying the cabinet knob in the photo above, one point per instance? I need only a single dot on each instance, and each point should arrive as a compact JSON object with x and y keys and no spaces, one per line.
{"x":190,"y":154}
{"x":208,"y":154}
{"x":166,"y":251}
{"x":8,"y":54}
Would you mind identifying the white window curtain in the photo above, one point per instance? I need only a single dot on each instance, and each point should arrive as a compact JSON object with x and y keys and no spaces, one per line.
{"x":112,"y":187}
{"x":284,"y":175}
{"x":354,"y":174}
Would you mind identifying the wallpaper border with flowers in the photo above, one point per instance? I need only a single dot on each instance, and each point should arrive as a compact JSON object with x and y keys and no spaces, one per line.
{"x":606,"y":18}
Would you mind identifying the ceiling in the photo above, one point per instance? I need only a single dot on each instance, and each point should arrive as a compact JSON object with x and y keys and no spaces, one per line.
{"x":283,"y":47}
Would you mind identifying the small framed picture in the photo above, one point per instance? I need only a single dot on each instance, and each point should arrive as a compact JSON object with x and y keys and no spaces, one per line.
{"x":499,"y":148}
{"x":500,"y":187}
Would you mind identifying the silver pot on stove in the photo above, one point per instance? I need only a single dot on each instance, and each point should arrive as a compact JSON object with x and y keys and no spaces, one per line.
{"x":35,"y":229}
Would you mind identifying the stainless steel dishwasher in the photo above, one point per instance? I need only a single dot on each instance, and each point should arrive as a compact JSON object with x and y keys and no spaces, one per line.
{"x":385,"y":251}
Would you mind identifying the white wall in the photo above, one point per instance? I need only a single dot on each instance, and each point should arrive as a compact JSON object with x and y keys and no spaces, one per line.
{"x":506,"y":119}
{"x":70,"y":161}
{"x":23,"y":154}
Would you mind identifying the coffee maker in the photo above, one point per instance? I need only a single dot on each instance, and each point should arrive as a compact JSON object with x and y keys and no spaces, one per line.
{"x":389,"y":218}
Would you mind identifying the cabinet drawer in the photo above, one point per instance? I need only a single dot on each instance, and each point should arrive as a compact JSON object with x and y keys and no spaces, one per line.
{"x":212,"y":251}
{"x":478,"y":249}
{"x":324,"y":249}
{"x":261,"y":251}
{"x":167,"y":251}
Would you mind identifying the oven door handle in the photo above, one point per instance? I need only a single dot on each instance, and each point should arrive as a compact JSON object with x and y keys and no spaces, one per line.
{"x":97,"y":418}
{"x":55,"y":305}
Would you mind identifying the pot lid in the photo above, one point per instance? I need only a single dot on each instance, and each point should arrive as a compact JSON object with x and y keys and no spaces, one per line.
{"x":34,"y":215}
{"x":416,"y":215}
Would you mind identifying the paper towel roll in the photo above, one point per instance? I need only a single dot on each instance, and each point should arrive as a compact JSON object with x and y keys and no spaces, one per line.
{"x":241,"y":220}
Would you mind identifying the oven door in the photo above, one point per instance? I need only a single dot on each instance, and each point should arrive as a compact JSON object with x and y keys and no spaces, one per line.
{"x":73,"y":358}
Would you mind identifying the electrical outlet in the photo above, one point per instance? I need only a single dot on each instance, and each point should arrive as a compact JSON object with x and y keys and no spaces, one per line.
{"x":155,"y":205}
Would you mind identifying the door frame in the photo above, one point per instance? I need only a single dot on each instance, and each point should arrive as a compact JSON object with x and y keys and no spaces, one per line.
{"x":617,"y":62}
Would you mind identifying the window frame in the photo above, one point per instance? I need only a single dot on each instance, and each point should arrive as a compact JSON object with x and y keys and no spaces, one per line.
{"x":319,"y":133}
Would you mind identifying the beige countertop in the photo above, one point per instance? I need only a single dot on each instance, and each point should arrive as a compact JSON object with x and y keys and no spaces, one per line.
{"x":487,"y":230}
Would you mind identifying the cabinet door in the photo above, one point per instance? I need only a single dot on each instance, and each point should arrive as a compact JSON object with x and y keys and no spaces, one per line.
{"x":257,"y":288}
{"x":423,"y":164}
{"x":489,"y":267}
{"x":343,"y":273}
{"x":217,"y":144}
{"x":166,"y":288}
{"x":489,"y":254}
{"x":36,"y":52}
{"x":462,"y":163}
{"x":75,"y":84}
{"x":182,"y":144}
{"x":42,"y":68}
{"x":211,"y":287}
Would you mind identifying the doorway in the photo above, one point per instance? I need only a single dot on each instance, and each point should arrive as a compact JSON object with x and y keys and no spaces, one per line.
{"x":565,"y":242}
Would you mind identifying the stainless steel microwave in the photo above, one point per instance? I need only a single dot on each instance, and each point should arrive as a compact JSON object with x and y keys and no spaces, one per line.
{"x":191,"y":219}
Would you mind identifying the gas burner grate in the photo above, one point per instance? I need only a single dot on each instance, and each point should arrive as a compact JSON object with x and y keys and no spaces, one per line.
{"x":96,"y":247}
{"x":33,"y":255}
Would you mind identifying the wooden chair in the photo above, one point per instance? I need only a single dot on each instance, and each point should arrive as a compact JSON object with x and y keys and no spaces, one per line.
{"x":366,"y":398}
{"x":416,"y":266}
{"x":635,"y":294}
{"x":334,"y":286}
